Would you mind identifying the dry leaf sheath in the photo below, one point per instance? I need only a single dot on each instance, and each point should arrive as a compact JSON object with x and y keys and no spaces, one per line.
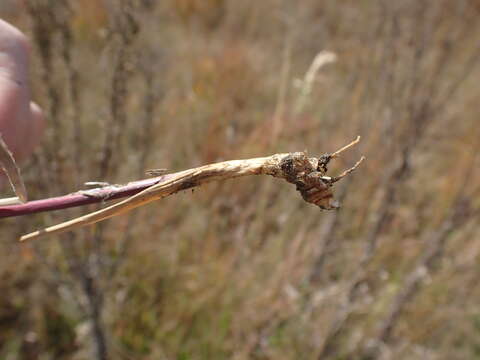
{"x":307,"y":173}
{"x":7,"y":163}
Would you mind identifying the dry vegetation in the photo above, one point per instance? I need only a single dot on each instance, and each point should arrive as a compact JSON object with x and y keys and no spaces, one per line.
{"x":245,"y":269}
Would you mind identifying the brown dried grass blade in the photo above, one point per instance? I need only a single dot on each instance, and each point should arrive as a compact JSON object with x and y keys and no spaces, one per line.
{"x":7,"y":163}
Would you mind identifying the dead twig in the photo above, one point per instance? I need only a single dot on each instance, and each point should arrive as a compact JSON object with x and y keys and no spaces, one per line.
{"x":308,"y":174}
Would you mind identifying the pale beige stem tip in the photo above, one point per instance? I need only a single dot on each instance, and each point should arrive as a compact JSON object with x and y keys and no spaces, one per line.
{"x":346,"y":147}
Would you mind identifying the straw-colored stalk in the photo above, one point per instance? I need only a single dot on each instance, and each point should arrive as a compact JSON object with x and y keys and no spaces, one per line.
{"x":307,"y":173}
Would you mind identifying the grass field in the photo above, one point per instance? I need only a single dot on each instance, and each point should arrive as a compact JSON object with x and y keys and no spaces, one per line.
{"x":245,"y":269}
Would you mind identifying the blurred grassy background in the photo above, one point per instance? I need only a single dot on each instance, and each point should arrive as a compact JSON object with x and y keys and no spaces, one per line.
{"x":246,"y":269}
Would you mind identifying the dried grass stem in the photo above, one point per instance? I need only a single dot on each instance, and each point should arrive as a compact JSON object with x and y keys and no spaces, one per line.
{"x":307,"y":173}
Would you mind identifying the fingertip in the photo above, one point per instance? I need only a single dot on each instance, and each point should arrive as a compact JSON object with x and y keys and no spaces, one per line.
{"x":35,"y":131}
{"x":12,"y":33}
{"x":17,"y":48}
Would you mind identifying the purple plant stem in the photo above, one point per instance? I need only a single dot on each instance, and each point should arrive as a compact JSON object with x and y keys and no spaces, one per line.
{"x":80,"y":198}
